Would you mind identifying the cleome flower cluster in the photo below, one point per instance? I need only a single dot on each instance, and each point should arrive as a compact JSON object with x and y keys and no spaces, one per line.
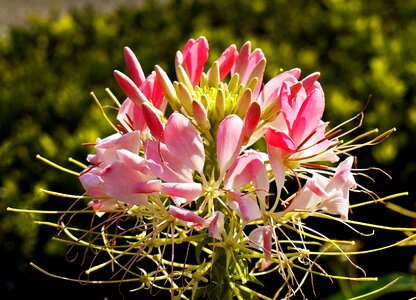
{"x":205,"y":185}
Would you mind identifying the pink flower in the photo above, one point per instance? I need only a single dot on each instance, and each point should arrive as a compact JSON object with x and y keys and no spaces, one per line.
{"x":298,"y":134}
{"x":330,"y":195}
{"x":115,"y":168}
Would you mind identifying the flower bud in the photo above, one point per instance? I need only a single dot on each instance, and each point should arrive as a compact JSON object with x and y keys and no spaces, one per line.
{"x":200,"y":115}
{"x":184,"y":96}
{"x":244,"y":103}
{"x":234,"y":83}
{"x":134,"y":67}
{"x":214,"y":75}
{"x":130,"y":88}
{"x":183,"y":77}
{"x":167,"y":87}
{"x":220,"y":104}
{"x":153,"y":122}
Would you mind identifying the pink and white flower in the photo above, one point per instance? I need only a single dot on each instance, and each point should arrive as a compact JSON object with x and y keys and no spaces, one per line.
{"x":329,"y":195}
{"x":297,"y":136}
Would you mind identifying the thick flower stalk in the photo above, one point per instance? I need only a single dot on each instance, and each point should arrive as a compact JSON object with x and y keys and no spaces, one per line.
{"x":191,"y":193}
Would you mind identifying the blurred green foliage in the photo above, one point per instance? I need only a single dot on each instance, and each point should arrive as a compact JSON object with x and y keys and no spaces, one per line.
{"x":361,"y":48}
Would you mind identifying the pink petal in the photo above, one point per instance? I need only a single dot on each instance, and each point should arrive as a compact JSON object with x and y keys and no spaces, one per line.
{"x":103,"y":204}
{"x":276,"y":162}
{"x":164,"y":165}
{"x":229,"y":141}
{"x":245,"y":206}
{"x":310,"y":196}
{"x":184,"y":142}
{"x":247,"y":61}
{"x":118,"y":180}
{"x":242,"y":59}
{"x":309,"y":81}
{"x":290,"y":107}
{"x":92,"y":184}
{"x":195,"y":55}
{"x":129,"y":141}
{"x":250,"y":64}
{"x":316,"y":188}
{"x":272,"y":88}
{"x":134,"y":161}
{"x":261,"y":239}
{"x":251,"y":120}
{"x":227,"y":60}
{"x":185,"y":215}
{"x":152,"y":89}
{"x":216,"y":225}
{"x":256,"y":238}
{"x":131,"y":116}
{"x":243,"y":171}
{"x":309,"y":116}
{"x":133,"y":66}
{"x":279,"y":139}
{"x":336,"y":205}
{"x":106,"y":149}
{"x":261,"y":184}
{"x":188,"y":190}
{"x":343,"y":178}
{"x":146,"y":187}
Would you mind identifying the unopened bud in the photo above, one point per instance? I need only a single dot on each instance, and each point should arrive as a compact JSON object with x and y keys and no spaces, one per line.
{"x":200,"y":115}
{"x":220,"y":104}
{"x":244,"y":103}
{"x":183,"y":77}
{"x":167,"y":87}
{"x":153,"y":121}
{"x":234,"y":82}
{"x":214,"y":75}
{"x":134,"y":67}
{"x":184,"y":97}
{"x":130,"y":88}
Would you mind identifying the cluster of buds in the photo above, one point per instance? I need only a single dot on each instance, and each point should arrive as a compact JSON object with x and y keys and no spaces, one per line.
{"x":201,"y":165}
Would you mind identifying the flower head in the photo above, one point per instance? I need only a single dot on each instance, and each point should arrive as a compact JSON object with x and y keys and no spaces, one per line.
{"x":198,"y":174}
